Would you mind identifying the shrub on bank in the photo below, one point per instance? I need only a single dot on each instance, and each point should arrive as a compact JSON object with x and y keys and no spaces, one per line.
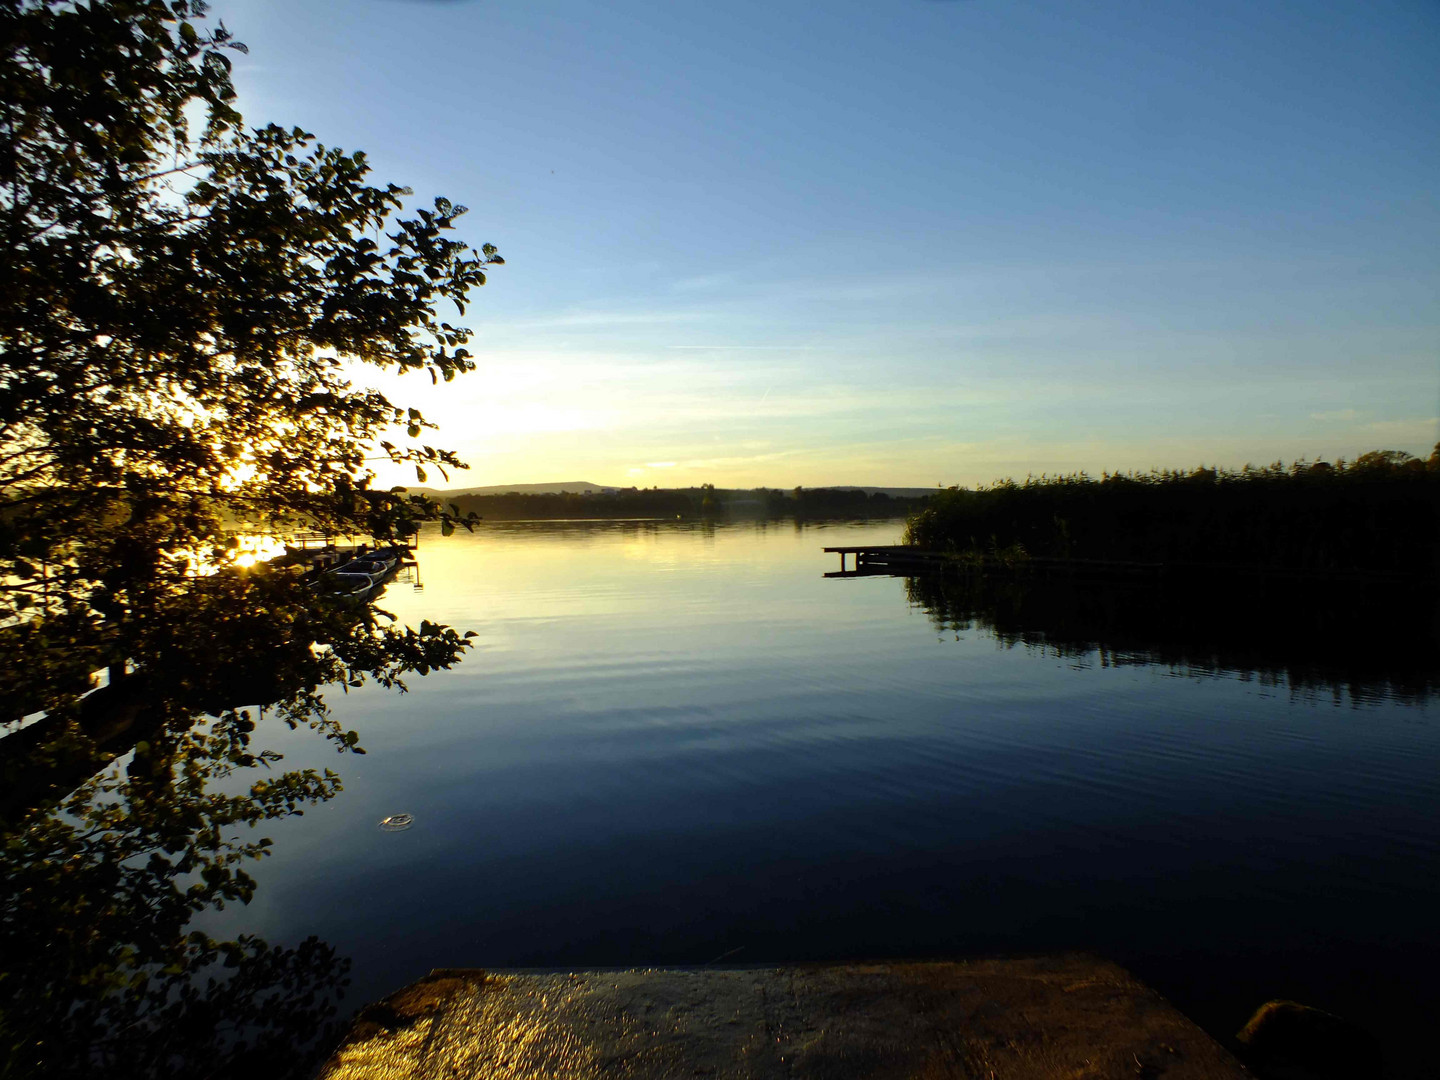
{"x":1379,"y":514}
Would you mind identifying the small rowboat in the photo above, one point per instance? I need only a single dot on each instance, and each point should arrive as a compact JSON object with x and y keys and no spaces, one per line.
{"x":348,"y":585}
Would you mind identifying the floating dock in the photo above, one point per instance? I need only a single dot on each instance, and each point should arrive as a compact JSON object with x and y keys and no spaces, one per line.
{"x":896,"y":558}
{"x":900,"y":559}
{"x":1035,"y":1018}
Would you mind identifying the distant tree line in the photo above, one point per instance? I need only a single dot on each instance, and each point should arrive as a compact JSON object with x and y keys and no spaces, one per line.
{"x":841,"y":502}
{"x":705,"y":501}
{"x":1377,"y":514}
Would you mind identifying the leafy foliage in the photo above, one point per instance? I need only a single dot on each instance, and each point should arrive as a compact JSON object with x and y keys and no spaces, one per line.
{"x":186,"y":302}
{"x":187,"y":306}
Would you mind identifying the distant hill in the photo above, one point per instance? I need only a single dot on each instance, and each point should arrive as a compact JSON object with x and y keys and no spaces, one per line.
{"x":575,"y":487}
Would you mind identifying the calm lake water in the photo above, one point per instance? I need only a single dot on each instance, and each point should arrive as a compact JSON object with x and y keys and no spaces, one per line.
{"x":677,"y":743}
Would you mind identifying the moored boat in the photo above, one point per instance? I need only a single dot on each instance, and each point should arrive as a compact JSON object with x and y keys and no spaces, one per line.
{"x":348,"y":585}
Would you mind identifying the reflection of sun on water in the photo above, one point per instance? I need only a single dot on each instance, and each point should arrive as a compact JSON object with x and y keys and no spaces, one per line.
{"x":251,"y":549}
{"x":242,"y":550}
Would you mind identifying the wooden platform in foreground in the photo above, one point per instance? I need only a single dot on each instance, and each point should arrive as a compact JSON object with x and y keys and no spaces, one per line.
{"x":1068,"y":1017}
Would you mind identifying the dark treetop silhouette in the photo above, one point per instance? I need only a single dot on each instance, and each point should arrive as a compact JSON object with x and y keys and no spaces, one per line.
{"x":181,"y":300}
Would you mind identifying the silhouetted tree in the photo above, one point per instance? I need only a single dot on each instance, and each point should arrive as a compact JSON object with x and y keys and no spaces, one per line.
{"x":184,"y":302}
{"x":184,"y":305}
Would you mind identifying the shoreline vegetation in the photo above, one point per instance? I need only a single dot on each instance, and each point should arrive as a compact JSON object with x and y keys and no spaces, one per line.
{"x":1377,"y":516}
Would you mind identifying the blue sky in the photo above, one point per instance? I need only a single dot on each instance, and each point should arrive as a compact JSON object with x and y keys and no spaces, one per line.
{"x":909,"y":243}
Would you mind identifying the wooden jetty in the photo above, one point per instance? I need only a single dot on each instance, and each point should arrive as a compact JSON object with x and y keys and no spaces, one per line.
{"x":886,"y":560}
{"x":900,"y":559}
{"x":1034,"y":1018}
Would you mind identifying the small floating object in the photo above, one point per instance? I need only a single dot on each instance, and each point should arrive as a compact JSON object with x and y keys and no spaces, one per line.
{"x":396,"y":822}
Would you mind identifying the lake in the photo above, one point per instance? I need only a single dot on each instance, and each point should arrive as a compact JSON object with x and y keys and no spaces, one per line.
{"x":677,"y":743}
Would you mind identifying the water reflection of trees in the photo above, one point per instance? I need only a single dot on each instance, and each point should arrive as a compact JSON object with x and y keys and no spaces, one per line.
{"x":1360,"y":639}
{"x":102,"y":972}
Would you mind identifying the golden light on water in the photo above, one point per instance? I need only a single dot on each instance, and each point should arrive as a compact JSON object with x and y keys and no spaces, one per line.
{"x":252,"y":549}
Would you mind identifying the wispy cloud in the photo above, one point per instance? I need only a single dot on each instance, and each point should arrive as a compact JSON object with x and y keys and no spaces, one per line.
{"x":1336,"y":414}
